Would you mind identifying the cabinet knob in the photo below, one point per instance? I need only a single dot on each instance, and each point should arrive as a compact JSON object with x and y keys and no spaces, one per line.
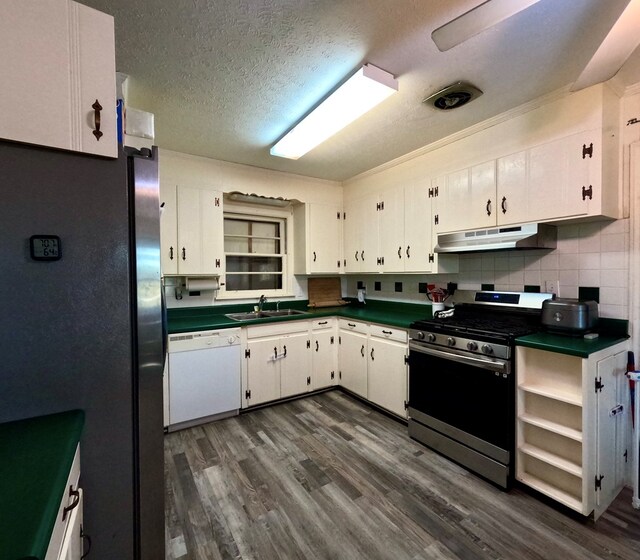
{"x":96,"y":119}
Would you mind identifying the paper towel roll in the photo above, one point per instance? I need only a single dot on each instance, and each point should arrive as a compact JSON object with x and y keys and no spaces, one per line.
{"x":195,"y":284}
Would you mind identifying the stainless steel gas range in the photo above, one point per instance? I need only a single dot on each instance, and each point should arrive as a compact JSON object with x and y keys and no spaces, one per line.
{"x":462,"y":380}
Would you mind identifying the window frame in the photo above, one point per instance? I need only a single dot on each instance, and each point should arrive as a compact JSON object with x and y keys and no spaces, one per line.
{"x":264,"y":214}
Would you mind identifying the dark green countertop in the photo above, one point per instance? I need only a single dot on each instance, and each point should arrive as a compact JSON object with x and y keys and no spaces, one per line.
{"x":610,"y":331}
{"x":374,"y":311}
{"x":35,"y":460}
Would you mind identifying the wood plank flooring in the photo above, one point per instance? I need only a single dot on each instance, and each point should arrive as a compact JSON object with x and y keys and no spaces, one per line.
{"x":326,"y":477}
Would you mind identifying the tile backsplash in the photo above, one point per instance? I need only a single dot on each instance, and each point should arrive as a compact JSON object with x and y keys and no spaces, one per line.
{"x":588,"y":255}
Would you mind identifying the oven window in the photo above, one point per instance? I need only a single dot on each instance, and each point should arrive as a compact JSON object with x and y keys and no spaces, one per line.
{"x":474,"y":400}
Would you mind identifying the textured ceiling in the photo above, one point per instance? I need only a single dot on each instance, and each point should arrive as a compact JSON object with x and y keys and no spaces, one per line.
{"x":225,"y":79}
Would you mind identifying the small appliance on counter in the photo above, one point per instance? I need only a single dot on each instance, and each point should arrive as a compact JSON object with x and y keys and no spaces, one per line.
{"x":570,"y":317}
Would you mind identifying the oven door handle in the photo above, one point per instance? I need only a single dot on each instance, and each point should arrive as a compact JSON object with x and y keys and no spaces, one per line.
{"x":475,"y":362}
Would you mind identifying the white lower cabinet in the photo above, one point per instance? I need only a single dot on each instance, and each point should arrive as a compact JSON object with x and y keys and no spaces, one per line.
{"x":372,"y":363}
{"x":387,"y":371}
{"x":277,"y":362}
{"x":573,"y":414}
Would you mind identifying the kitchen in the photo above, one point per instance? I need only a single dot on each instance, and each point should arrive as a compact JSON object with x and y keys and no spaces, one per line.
{"x":589,"y":254}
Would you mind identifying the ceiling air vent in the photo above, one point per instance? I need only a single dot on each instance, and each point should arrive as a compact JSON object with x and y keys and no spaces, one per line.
{"x":453,"y":96}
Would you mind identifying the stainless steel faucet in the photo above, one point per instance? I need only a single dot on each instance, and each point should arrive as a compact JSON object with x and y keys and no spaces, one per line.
{"x":261,"y":302}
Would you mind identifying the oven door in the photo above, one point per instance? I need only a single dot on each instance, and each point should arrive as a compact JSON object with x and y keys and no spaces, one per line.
{"x":466,"y":397}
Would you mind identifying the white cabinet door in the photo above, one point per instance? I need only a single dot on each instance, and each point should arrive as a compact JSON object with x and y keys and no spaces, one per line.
{"x":391,"y":228}
{"x":361,"y":234}
{"x":168,"y":229}
{"x":418,"y":243}
{"x":324,"y":357}
{"x":263,"y":370}
{"x":200,"y":231}
{"x":353,"y":362}
{"x":72,"y":545}
{"x":483,"y":211}
{"x":295,"y":363}
{"x":387,"y":371}
{"x":324,"y":239}
{"x":611,"y":425}
{"x":58,"y":58}
{"x":513,"y":188}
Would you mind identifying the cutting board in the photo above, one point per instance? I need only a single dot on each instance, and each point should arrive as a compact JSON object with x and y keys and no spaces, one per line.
{"x":325,"y":292}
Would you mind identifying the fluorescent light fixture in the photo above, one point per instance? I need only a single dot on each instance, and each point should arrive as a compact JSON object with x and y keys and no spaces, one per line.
{"x":368,"y":87}
{"x":475,"y":21}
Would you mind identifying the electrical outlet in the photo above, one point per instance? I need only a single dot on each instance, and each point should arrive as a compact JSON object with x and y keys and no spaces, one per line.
{"x":551,"y":286}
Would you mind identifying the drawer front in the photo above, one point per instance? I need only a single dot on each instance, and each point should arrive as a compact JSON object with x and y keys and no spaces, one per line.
{"x":355,"y":326}
{"x":60,"y":528}
{"x":390,"y":333}
{"x":325,"y":323}
{"x":274,"y":329}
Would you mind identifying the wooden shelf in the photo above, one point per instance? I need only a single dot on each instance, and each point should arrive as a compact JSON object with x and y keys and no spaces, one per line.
{"x":570,"y":398}
{"x":552,"y":426}
{"x":551,"y":459}
{"x":551,"y":491}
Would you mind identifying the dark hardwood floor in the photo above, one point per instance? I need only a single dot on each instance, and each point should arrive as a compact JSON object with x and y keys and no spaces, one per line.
{"x":328,"y":477}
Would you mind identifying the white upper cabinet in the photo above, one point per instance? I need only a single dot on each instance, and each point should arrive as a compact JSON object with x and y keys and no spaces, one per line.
{"x":361,"y":234}
{"x":191,"y":231}
{"x":58,"y":70}
{"x":318,"y":239}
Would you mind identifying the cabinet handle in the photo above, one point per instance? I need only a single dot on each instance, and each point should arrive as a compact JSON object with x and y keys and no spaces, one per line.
{"x":314,"y":256}
{"x":387,"y":332}
{"x":184,"y":254}
{"x":351,"y":324}
{"x":408,"y":255}
{"x":323,"y":322}
{"x":503,"y":204}
{"x":400,"y":252}
{"x":317,"y":345}
{"x":170,"y":253}
{"x":86,"y":538}
{"x":285,"y":351}
{"x":362,"y":256}
{"x":362,"y":351}
{"x":372,"y":358}
{"x":96,"y":119}
{"x":275,"y":353}
{"x":489,"y":207}
{"x":356,"y":254}
{"x":76,"y":500}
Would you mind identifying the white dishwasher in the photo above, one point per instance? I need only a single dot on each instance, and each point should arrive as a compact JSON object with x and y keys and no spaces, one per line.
{"x":203,"y":376}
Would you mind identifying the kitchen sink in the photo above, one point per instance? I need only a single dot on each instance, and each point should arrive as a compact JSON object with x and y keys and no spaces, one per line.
{"x":251,"y":315}
{"x":283,"y":313}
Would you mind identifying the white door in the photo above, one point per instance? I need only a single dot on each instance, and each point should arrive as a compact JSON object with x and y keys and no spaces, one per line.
{"x":325,"y":238}
{"x":387,"y":375}
{"x":295,"y":364}
{"x":263,"y":370}
{"x":324,"y":358}
{"x":353,"y":362}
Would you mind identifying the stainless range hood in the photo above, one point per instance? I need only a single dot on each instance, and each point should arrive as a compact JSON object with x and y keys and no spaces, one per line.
{"x":529,"y":236}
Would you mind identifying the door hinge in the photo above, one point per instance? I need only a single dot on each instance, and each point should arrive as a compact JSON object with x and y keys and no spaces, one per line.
{"x":599,"y":384}
{"x":247,"y":353}
{"x":308,"y":344}
{"x":217,"y":201}
{"x":406,"y":405}
{"x":333,"y":374}
{"x":436,"y":220}
{"x":308,"y":380}
{"x":340,"y":374}
{"x":217,"y":263}
{"x":435,"y":191}
{"x":247,"y":394}
{"x":598,"y":482}
{"x":625,"y":455}
{"x":338,"y":215}
{"x":406,"y":360}
{"x":332,"y":340}
{"x":338,"y":264}
{"x":344,"y":215}
{"x":587,"y":151}
{"x":587,"y":192}
{"x":431,"y":257}
{"x":339,"y":340}
{"x":430,"y":193}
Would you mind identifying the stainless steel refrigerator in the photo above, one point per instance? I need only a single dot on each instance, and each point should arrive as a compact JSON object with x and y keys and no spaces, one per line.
{"x":87,"y":330}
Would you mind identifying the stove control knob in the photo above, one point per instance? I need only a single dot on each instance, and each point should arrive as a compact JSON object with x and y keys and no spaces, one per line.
{"x":420,"y":335}
{"x":451,"y":341}
{"x":487,"y":349}
{"x":431,"y":337}
{"x":472,"y":346}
